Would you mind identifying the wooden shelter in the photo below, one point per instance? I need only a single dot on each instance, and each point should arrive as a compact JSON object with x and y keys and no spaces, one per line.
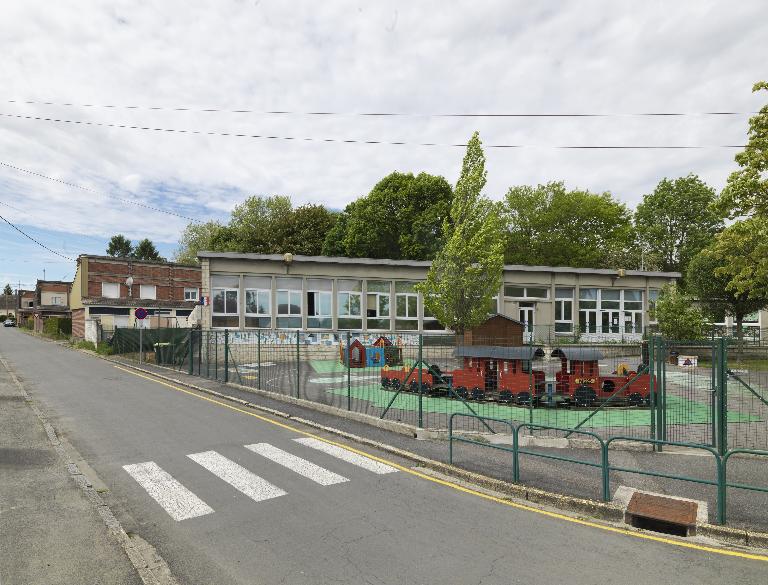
{"x":498,"y":331}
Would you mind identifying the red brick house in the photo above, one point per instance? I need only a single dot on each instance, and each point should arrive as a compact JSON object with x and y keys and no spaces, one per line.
{"x":107,"y":291}
{"x":51,"y":300}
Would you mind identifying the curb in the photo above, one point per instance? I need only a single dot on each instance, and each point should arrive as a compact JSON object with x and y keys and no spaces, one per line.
{"x":150,"y":567}
{"x":601,"y":510}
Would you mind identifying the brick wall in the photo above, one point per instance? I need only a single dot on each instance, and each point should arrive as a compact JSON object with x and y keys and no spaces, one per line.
{"x":78,"y":323}
{"x":169,"y":280}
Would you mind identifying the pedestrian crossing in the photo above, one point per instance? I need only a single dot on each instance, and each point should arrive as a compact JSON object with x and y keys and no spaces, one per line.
{"x":182,"y":504}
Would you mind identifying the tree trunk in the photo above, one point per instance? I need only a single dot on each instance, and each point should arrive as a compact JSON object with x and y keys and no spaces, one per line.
{"x":739,"y":334}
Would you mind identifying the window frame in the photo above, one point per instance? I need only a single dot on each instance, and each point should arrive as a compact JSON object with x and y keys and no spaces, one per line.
{"x":103,"y":290}
{"x":525,"y":295}
{"x":154,"y":291}
{"x":189,"y":289}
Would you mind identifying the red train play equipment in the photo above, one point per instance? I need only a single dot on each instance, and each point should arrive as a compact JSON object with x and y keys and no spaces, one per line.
{"x":502,"y":374}
{"x":579,"y":382}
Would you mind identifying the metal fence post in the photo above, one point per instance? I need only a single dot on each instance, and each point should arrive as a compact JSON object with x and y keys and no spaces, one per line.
{"x":258,"y":359}
{"x":298,"y":362}
{"x":652,"y":385}
{"x":226,"y":356}
{"x":421,"y":394}
{"x":349,"y":375}
{"x":216,"y":358}
{"x":191,"y":351}
{"x":722,"y":406}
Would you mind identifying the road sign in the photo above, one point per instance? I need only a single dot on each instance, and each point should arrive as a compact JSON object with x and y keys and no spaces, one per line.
{"x":140,"y":313}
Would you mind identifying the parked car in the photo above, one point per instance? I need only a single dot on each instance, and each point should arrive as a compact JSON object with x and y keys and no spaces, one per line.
{"x":9,"y":323}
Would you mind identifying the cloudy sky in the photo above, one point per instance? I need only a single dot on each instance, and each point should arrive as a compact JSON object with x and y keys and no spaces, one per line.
{"x":151,"y":59}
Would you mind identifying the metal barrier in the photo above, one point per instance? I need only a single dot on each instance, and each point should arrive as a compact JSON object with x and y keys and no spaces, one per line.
{"x":452,"y":438}
{"x":719,"y":483}
{"x":603,"y":465}
{"x":741,"y":486}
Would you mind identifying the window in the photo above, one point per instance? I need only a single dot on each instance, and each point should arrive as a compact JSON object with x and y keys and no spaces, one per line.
{"x":57,"y":300}
{"x":225,"y":292}
{"x":319,"y":314}
{"x":289,"y":303}
{"x":526,"y":292}
{"x":147,"y":291}
{"x":633,"y":311}
{"x":588,"y":310}
{"x":110,"y":290}
{"x":406,"y":306}
{"x":349,"y":300}
{"x":653,"y":296}
{"x":258,"y":301}
{"x":563,"y":310}
{"x":190,"y":294}
{"x":377,"y":304}
{"x":430,"y":323}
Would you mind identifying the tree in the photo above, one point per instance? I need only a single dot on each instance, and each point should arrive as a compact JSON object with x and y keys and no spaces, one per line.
{"x":678,"y":316}
{"x":711,"y":287}
{"x":304,"y":230}
{"x":119,"y":246}
{"x":7,"y":290}
{"x":333,"y":244}
{"x":742,"y":249}
{"x":549,"y":225}
{"x":676,"y":221}
{"x":401,"y":218}
{"x":467,"y":271}
{"x":145,"y":250}
{"x":255,"y":224}
{"x":746,"y":191}
{"x":200,"y":236}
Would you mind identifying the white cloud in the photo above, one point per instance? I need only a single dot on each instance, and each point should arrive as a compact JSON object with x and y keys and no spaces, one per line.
{"x":416,"y":57}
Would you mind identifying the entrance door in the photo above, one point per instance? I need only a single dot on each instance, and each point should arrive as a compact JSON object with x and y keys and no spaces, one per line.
{"x":588,"y":321}
{"x":527,"y":316}
{"x":611,"y":321}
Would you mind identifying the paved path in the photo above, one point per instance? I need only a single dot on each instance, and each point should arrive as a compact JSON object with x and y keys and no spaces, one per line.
{"x":228,"y":496}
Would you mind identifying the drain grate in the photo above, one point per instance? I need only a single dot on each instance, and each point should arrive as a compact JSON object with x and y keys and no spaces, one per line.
{"x":662,"y":514}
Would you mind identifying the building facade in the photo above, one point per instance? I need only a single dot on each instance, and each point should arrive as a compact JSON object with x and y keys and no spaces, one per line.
{"x":106,"y":292}
{"x":320,"y":293}
{"x":51,"y":299}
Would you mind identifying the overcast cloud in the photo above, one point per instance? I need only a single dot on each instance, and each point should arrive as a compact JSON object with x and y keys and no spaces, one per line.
{"x":415,"y":58}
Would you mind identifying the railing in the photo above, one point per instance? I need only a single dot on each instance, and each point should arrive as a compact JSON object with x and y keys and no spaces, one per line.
{"x":720,"y":482}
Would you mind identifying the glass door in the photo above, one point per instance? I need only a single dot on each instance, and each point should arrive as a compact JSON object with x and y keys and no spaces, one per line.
{"x":611,"y":322}
{"x":527,"y":317}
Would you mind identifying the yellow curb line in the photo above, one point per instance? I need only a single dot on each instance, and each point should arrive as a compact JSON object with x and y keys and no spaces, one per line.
{"x":460,"y":488}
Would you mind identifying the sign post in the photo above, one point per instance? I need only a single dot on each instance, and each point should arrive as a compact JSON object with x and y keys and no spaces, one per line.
{"x":141,"y":314}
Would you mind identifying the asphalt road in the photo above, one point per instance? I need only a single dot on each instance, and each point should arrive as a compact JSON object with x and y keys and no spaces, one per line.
{"x":283,"y":511}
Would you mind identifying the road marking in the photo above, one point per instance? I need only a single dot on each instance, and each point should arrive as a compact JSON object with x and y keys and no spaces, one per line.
{"x":347,"y":455}
{"x":239,"y":477}
{"x":301,"y":466}
{"x":461,"y":488}
{"x":178,"y":501}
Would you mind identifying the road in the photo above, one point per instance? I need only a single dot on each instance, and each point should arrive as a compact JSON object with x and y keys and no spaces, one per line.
{"x":228,"y":496}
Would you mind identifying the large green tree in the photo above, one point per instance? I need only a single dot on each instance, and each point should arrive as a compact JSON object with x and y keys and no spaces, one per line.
{"x":303,"y":231}
{"x":746,"y":192}
{"x":678,"y":316}
{"x":211,"y":236}
{"x":119,"y":246}
{"x":550,"y":225}
{"x":402,"y":217}
{"x":676,"y":221}
{"x":7,"y":290}
{"x":711,"y":287}
{"x":467,"y":271}
{"x":145,"y":250}
{"x":742,"y":249}
{"x":255,"y":224}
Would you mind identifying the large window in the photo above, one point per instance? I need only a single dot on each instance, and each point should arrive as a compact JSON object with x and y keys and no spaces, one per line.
{"x":406,"y":306}
{"x":563,"y":310}
{"x":190,"y":294}
{"x":377,"y":304}
{"x":633,"y":311}
{"x":653,"y":297}
{"x":258,"y":301}
{"x":226,"y":298}
{"x":588,"y":310}
{"x":319,"y":314}
{"x":109,"y":290}
{"x":350,"y":303}
{"x":610,"y":310}
{"x":289,"y":303}
{"x":147,"y":291}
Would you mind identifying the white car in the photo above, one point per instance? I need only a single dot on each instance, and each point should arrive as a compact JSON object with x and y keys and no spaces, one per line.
{"x":9,"y":323}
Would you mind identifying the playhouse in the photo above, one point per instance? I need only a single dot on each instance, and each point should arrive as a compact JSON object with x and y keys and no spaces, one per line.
{"x":377,"y":355}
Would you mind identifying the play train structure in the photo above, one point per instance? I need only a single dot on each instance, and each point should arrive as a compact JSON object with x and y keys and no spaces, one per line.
{"x":506,"y":375}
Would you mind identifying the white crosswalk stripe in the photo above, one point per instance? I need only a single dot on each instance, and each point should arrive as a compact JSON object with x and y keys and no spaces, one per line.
{"x":178,"y":501}
{"x":346,"y":455}
{"x":237,"y":476}
{"x":301,"y":466}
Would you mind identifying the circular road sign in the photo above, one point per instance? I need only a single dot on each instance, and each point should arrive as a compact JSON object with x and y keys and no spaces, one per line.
{"x":140,"y":313}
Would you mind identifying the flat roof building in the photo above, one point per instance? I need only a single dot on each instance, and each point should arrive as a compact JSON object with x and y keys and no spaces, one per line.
{"x":325,"y":293}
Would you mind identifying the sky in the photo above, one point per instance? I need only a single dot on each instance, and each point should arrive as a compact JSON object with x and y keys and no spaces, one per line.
{"x":160,"y":65}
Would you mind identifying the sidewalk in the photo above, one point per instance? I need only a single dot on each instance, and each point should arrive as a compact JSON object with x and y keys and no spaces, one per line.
{"x":746,"y":510}
{"x":50,"y":533}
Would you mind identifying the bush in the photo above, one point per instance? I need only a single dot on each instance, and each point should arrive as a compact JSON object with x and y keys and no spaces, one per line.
{"x":104,"y":349}
{"x":86,"y":345}
{"x":56,"y":326}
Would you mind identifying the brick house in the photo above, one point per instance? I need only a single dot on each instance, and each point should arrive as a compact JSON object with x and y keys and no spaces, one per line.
{"x":51,"y":299}
{"x":101,"y":296}
{"x":26,"y":305}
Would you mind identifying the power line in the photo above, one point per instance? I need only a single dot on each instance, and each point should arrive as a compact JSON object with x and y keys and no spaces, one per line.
{"x":26,"y":235}
{"x":89,"y":190}
{"x":357,"y":141}
{"x":377,"y":114}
